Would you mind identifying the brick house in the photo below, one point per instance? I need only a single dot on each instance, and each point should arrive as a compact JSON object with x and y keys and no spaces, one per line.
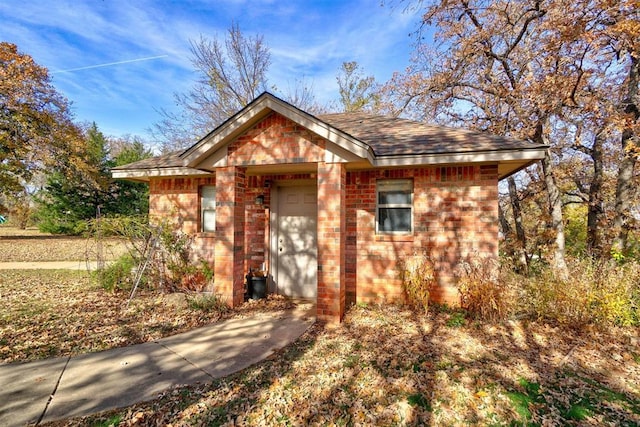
{"x":328,"y":205}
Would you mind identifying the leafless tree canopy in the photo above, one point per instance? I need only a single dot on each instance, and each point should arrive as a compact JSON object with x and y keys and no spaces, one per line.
{"x":231,"y":73}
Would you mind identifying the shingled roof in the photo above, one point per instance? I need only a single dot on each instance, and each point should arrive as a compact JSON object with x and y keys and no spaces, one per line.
{"x":169,"y":160}
{"x":380,"y":141}
{"x":391,"y":136}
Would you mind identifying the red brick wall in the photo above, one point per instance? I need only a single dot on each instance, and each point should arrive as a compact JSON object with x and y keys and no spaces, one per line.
{"x":230,"y":232}
{"x":176,"y":201}
{"x":256,"y":237}
{"x":276,"y":140}
{"x":331,"y":241}
{"x":455,"y":216}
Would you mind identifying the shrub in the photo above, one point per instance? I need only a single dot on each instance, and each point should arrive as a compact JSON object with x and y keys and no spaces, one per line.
{"x":133,"y":228}
{"x":69,"y":227}
{"x":418,"y":277}
{"x":194,"y":281}
{"x":176,"y":268}
{"x":615,"y":294}
{"x":599,"y":292}
{"x":164,"y":253}
{"x":482,"y":293}
{"x":117,"y":275}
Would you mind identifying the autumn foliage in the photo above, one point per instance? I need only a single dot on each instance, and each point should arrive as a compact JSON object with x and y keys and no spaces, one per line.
{"x":36,"y":130}
{"x":560,"y":73}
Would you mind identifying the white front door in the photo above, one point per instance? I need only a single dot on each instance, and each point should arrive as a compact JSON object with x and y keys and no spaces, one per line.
{"x":296,"y":242}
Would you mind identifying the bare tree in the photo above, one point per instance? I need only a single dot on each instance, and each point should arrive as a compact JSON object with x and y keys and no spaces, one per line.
{"x":357,"y":91}
{"x":527,"y":68}
{"x":488,"y":71}
{"x":231,"y":73}
{"x":302,"y":95}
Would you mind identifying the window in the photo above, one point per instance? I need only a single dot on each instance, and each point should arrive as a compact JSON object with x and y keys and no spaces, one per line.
{"x":208,"y":208}
{"x":394,"y":211}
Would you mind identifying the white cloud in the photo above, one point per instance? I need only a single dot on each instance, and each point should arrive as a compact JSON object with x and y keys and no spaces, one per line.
{"x":307,"y":40}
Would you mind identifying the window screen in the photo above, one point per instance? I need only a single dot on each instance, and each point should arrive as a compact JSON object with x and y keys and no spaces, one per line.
{"x":394,"y":206}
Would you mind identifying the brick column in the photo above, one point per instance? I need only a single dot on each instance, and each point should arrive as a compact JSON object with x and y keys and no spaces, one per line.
{"x":229,"y":247}
{"x":331,"y":241}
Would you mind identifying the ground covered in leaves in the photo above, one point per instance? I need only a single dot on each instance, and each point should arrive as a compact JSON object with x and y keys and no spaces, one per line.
{"x":50,"y":313}
{"x":31,"y":245}
{"x":389,"y":366}
{"x":383,"y":366}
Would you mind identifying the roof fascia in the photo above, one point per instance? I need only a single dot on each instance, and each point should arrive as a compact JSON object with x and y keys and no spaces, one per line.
{"x":146,"y":174}
{"x":259,"y":109}
{"x":451,"y":158}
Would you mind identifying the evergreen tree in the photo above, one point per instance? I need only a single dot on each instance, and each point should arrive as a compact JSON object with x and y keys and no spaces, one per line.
{"x":128,"y":197}
{"x":67,"y":202}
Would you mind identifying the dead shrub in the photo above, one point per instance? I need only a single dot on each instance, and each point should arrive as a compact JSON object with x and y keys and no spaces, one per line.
{"x":599,"y":292}
{"x":418,"y":276}
{"x":194,"y":282}
{"x":482,"y":293}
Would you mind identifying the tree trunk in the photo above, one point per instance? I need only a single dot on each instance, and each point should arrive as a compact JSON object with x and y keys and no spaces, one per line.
{"x":624,"y":195}
{"x":624,"y":186}
{"x":517,"y":218}
{"x":555,"y":211}
{"x":505,"y":227}
{"x":595,"y":209}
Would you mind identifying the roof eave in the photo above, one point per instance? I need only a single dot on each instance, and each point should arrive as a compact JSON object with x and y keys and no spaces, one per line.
{"x":147,"y":174}
{"x":520,"y":159}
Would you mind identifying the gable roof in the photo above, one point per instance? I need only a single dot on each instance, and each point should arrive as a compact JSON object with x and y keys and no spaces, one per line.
{"x":392,"y":136}
{"x":379,"y":141}
{"x":254,"y":112}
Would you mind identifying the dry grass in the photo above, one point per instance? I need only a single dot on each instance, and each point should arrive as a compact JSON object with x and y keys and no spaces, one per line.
{"x":387,"y":366}
{"x":32,"y":245}
{"x":597,"y":292}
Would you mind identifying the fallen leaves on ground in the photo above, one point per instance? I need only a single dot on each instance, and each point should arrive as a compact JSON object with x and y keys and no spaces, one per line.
{"x":33,"y":246}
{"x":59,"y":313}
{"x":389,"y":366}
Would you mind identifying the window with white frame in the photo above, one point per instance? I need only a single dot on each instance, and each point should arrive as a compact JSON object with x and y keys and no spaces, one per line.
{"x":394,"y":209}
{"x":208,"y":208}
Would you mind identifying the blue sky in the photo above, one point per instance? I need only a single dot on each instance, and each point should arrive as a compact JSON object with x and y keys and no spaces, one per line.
{"x":146,"y":44}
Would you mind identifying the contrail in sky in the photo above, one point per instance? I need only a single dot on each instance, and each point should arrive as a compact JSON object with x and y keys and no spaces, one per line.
{"x":109,"y":64}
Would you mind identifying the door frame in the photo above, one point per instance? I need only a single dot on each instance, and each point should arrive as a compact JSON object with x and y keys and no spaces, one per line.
{"x":273,"y":224}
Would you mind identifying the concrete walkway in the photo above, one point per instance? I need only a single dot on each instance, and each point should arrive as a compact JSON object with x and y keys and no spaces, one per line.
{"x":60,"y":388}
